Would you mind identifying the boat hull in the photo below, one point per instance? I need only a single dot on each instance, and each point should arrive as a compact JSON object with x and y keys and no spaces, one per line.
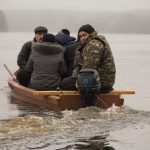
{"x":60,"y":102}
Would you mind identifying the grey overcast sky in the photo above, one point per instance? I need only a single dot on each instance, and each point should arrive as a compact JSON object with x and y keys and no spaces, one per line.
{"x":115,"y":5}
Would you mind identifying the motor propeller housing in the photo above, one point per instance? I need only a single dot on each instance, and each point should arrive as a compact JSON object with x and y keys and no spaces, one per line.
{"x":88,"y":83}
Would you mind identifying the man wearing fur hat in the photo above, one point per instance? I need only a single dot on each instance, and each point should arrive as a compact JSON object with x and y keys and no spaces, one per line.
{"x":95,"y":53}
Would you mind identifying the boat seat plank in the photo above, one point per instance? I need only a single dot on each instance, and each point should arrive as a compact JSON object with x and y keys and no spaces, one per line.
{"x":118,"y":92}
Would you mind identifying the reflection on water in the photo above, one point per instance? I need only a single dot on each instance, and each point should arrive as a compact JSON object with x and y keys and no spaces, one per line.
{"x":7,"y":110}
{"x":31,"y":109}
{"x":87,"y":128}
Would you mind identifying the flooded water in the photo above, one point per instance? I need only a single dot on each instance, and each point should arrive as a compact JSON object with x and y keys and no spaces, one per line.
{"x":26,"y":127}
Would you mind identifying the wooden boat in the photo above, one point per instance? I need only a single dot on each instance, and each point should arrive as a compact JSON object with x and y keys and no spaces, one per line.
{"x":62,"y":100}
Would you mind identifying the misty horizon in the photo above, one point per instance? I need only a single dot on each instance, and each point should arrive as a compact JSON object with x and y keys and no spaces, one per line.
{"x":109,"y":16}
{"x":96,"y":5}
{"x":103,"y":21}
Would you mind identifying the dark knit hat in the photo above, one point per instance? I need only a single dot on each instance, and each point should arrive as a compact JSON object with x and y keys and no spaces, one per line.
{"x":86,"y":28}
{"x":49,"y":38}
{"x":65,"y":31}
{"x":40,"y":29}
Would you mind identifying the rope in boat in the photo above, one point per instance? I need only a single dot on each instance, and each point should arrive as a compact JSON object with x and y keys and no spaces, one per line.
{"x":98,"y":98}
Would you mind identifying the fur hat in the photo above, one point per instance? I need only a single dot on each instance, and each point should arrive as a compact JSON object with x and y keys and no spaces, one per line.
{"x":86,"y":28}
{"x":40,"y":29}
{"x":49,"y":38}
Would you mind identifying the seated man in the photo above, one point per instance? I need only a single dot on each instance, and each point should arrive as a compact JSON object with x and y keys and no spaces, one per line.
{"x":94,"y":53}
{"x":24,"y":55}
{"x":46,"y":64}
{"x":70,"y":44}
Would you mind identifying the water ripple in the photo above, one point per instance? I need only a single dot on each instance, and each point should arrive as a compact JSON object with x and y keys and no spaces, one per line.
{"x":75,"y":129}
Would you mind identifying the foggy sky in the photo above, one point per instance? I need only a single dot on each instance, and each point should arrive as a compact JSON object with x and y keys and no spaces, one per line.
{"x":114,"y":5}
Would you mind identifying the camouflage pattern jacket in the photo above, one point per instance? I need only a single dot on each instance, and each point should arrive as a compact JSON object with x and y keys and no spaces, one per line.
{"x":96,"y":54}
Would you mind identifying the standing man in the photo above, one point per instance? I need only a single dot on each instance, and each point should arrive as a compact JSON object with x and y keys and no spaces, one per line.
{"x":95,"y":53}
{"x":25,"y":52}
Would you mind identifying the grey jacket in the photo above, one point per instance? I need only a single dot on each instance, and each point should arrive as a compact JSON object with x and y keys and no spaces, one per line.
{"x":47,"y":66}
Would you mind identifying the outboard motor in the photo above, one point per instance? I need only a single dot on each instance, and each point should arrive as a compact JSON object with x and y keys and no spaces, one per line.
{"x":88,"y":83}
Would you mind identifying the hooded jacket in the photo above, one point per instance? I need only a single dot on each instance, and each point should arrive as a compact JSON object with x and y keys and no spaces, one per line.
{"x":47,"y":66}
{"x":70,"y":45}
{"x":64,"y":39}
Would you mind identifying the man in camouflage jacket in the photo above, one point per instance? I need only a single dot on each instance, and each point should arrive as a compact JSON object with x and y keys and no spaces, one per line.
{"x":95,"y":54}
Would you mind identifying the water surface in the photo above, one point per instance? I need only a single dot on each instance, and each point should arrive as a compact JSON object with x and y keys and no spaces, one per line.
{"x":24,"y":126}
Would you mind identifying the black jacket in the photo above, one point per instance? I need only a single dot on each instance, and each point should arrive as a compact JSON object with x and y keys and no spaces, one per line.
{"x":69,"y":55}
{"x":24,"y":55}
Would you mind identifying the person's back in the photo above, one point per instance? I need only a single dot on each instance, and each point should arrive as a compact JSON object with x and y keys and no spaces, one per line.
{"x":63,"y":37}
{"x":47,"y":65}
{"x":70,"y":45}
{"x":106,"y":65}
{"x":95,"y":54}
